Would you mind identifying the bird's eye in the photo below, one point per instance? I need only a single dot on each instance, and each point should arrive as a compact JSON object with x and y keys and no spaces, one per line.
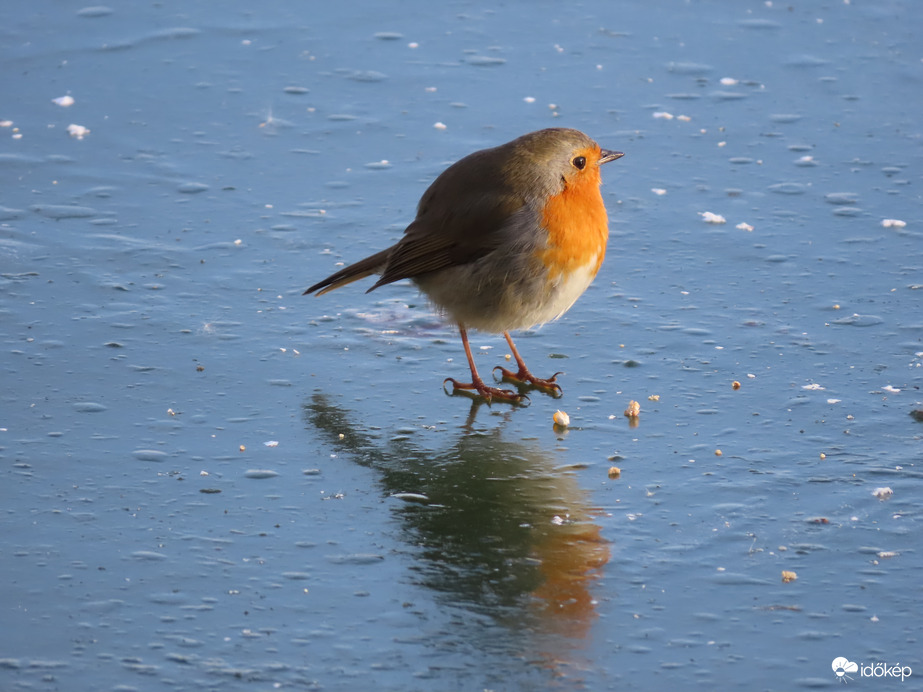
{"x":580,"y":162}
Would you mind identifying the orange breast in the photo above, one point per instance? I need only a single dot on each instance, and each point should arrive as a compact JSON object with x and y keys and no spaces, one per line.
{"x":577,"y":226}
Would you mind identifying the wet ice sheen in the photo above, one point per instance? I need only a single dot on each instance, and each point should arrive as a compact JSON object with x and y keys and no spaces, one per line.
{"x":155,"y":344}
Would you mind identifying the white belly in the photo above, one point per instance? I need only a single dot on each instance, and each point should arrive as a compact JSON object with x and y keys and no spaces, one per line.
{"x":487,"y":301}
{"x":570,"y":287}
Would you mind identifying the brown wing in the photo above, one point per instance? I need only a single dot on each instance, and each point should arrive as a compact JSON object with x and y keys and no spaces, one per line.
{"x":461,"y":217}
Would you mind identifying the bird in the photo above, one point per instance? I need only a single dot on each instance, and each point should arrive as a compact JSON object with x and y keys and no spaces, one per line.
{"x":505,"y":239}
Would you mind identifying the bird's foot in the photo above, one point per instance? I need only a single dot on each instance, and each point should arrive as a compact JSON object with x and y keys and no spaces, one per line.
{"x":490,"y":394}
{"x":524,"y":377}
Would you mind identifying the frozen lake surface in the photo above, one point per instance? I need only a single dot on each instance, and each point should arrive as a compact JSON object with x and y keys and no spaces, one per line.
{"x":211,"y":482}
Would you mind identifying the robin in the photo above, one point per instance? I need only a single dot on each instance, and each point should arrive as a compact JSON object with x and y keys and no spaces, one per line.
{"x":506,"y":238}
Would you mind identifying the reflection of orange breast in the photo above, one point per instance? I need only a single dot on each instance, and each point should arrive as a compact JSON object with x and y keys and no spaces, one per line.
{"x":577,"y":226}
{"x":570,"y":560}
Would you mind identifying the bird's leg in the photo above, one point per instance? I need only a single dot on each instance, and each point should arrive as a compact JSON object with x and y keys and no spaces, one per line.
{"x":523,"y":375}
{"x":477,"y":384}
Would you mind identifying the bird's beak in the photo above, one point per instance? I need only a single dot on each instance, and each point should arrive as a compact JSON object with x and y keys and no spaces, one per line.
{"x":606,"y":155}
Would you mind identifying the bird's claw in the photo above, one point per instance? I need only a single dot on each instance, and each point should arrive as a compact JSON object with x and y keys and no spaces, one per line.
{"x":549,"y":386}
{"x":489,"y":394}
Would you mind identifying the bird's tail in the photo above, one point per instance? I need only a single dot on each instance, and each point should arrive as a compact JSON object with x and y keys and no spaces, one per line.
{"x":370,"y":265}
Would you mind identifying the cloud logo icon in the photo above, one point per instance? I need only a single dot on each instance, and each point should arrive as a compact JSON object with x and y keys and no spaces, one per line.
{"x":842,"y":665}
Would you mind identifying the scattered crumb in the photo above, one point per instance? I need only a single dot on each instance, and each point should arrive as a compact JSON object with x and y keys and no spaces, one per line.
{"x":633,"y":410}
{"x":243,"y":449}
{"x":440,"y":126}
{"x":271,"y":443}
{"x":735,"y":385}
{"x":64,"y":101}
{"x":683,"y":118}
{"x":718,"y":452}
{"x":823,"y":456}
{"x":658,"y":191}
{"x":77,"y":131}
{"x":654,"y":397}
{"x":728,"y":81}
{"x":614,"y":472}
{"x":788,"y":576}
{"x":893,"y":223}
{"x":742,"y":226}
{"x":561,"y":419}
{"x":708,"y":217}
{"x":663,"y":115}
{"x":882,"y":493}
{"x":884,"y":554}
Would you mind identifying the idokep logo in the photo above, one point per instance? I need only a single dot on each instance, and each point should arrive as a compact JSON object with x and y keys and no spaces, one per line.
{"x":843,"y":666}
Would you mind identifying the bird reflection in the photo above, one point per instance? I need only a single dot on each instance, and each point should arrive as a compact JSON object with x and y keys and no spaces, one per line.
{"x":500,"y":530}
